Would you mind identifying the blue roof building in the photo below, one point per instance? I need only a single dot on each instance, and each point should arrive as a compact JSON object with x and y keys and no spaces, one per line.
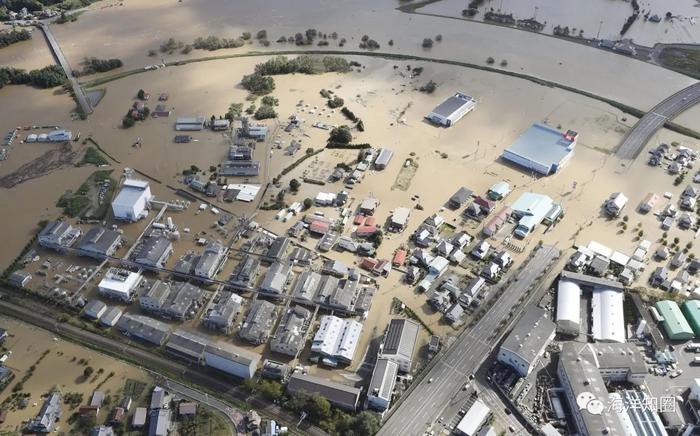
{"x":542,"y":149}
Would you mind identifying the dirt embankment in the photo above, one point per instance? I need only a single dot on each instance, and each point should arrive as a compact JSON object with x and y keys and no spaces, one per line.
{"x":60,"y":157}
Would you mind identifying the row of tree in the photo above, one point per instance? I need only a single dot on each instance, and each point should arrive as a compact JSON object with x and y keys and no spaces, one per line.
{"x":47,"y":77}
{"x":303,"y":64}
{"x":94,"y":65}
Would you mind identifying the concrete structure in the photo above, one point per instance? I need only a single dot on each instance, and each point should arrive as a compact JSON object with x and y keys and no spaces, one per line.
{"x":119,"y":284}
{"x":452,"y":109}
{"x":542,"y":149}
{"x":338,"y":394}
{"x":259,"y":322}
{"x":19,"y":278}
{"x":337,"y":338}
{"x":277,"y":251}
{"x":306,"y":286}
{"x":177,"y":300}
{"x":58,"y":235}
{"x":132,"y":202}
{"x":99,"y":243}
{"x":381,"y":386}
{"x":238,"y":168}
{"x":568,"y":307}
{"x":383,"y":159}
{"x":189,"y":124}
{"x":527,"y":341}
{"x":139,"y":419}
{"x":530,"y":210}
{"x":231,"y":359}
{"x":143,"y":328}
{"x":675,"y":325}
{"x":399,"y":343}
{"x":291,"y":332}
{"x":475,"y":417}
{"x":691,"y":310}
{"x":152,"y":252}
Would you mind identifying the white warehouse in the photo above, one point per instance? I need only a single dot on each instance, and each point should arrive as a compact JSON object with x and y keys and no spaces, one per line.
{"x":119,"y":284}
{"x":527,"y":342}
{"x":608,"y":318}
{"x":337,"y":338}
{"x":132,"y":201}
{"x":568,"y":307}
{"x":452,"y":109}
{"x":231,"y":359}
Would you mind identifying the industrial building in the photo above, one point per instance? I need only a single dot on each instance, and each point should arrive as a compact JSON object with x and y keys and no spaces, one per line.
{"x":305,"y":288}
{"x":189,"y":124}
{"x":19,"y":278}
{"x":383,"y":159}
{"x":252,"y":130}
{"x":531,"y":209}
{"x":221,"y":314}
{"x":381,"y":386}
{"x":527,"y":341}
{"x":337,"y":338}
{"x":674,"y":323}
{"x":258,"y":324}
{"x":691,"y":310}
{"x":277,"y":279}
{"x":111,"y":317}
{"x":568,"y":308}
{"x":187,"y":345}
{"x":399,"y":343}
{"x":607,"y":314}
{"x":99,"y":243}
{"x":211,"y":260}
{"x":245,"y":273}
{"x":152,"y":252}
{"x":178,"y":300}
{"x":635,"y":413}
{"x":231,"y":359}
{"x":277,"y":251}
{"x":584,"y":370}
{"x":338,"y":394}
{"x":475,"y":417}
{"x":159,"y":422}
{"x":452,"y":109}
{"x":132,"y":201}
{"x":239,"y":168}
{"x":542,"y":149}
{"x":58,"y":235}
{"x":143,"y":328}
{"x":119,"y":284}
{"x":94,"y":309}
{"x":290,"y":336}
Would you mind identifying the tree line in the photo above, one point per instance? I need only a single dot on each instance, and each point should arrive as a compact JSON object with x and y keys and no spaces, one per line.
{"x":47,"y":77}
{"x":260,"y":82}
{"x":95,"y":65}
{"x":14,"y":36}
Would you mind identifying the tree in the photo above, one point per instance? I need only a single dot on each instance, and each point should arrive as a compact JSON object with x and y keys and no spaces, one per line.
{"x":364,"y":423}
{"x":146,"y":112}
{"x":294,"y":185}
{"x":128,"y":122}
{"x":234,"y":111}
{"x":490,"y":60}
{"x":341,"y":135}
{"x":141,"y":94}
{"x":271,"y":390}
{"x":318,"y":408}
{"x":270,"y":101}
{"x":264,"y":112}
{"x":427,"y":43}
{"x":504,"y":63}
{"x":308,"y":203}
{"x":258,"y":84}
{"x":335,"y":102}
{"x":262,"y":34}
{"x":87,"y":372}
{"x":246,"y":36}
{"x":438,"y":38}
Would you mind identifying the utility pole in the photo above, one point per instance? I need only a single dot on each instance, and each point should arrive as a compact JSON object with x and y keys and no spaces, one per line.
{"x":600,"y":26}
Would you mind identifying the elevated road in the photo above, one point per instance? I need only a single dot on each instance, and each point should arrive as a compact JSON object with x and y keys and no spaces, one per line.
{"x":432,"y":394}
{"x":80,"y":96}
{"x":639,"y":135}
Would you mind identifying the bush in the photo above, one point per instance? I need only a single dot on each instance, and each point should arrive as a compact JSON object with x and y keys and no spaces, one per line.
{"x":335,"y":102}
{"x":490,"y":60}
{"x":169,"y":46}
{"x":504,"y":63}
{"x":187,"y":49}
{"x":264,"y":112}
{"x":258,"y":84}
{"x":94,"y":65}
{"x":391,"y":43}
{"x":294,"y":185}
{"x":427,"y":43}
{"x":128,"y":122}
{"x":269,"y":100}
{"x":340,"y":135}
{"x":438,"y":38}
{"x":429,"y":87}
{"x":262,"y":34}
{"x":212,"y":43}
{"x":302,"y":64}
{"x":369,"y":44}
{"x":246,"y":36}
{"x":349,"y":114}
